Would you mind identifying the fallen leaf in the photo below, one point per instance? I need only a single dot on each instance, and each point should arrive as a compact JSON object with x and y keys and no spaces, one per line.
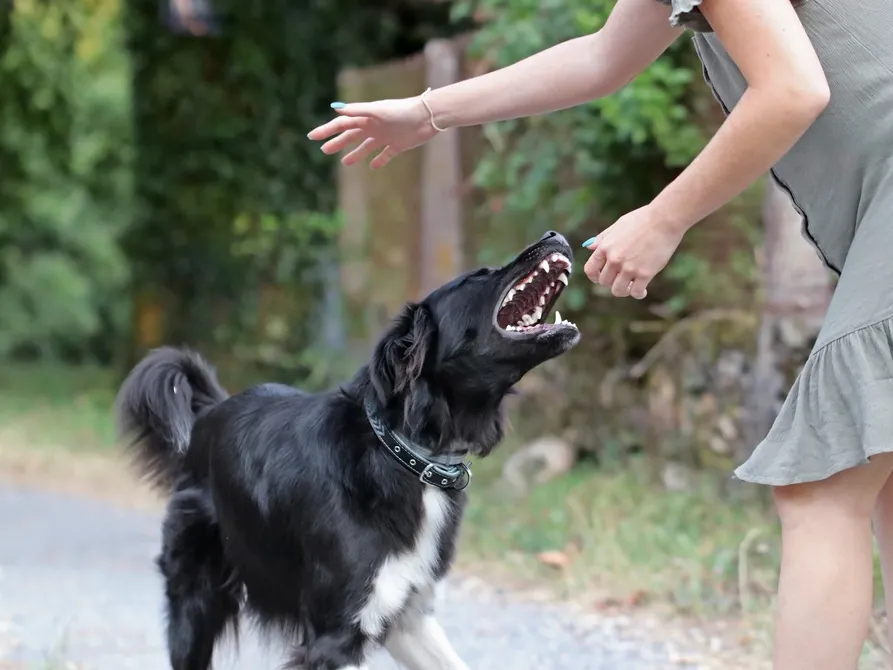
{"x":555,"y":559}
{"x":636,"y":598}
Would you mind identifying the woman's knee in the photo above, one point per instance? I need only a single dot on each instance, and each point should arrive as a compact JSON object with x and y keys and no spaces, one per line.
{"x":850,"y":494}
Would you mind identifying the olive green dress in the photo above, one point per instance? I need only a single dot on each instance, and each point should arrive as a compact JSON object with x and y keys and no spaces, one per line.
{"x":840,"y":177}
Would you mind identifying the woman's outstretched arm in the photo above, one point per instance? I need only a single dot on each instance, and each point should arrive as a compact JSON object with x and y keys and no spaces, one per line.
{"x":565,"y":75}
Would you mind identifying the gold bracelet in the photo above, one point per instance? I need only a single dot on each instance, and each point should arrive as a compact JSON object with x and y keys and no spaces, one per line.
{"x":430,"y":113}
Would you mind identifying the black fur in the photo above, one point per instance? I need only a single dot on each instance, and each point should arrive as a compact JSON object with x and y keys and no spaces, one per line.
{"x":284,"y":504}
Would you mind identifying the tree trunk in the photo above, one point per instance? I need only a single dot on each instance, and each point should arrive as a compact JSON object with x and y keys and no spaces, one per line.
{"x":797,"y":288}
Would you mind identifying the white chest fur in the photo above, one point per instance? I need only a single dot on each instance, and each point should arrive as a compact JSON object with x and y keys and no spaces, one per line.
{"x":400,"y":574}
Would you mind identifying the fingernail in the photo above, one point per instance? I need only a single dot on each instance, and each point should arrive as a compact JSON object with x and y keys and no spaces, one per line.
{"x":338,"y":105}
{"x":588,"y":242}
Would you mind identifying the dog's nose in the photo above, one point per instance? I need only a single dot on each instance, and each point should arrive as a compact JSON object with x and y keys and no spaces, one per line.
{"x":554,"y":236}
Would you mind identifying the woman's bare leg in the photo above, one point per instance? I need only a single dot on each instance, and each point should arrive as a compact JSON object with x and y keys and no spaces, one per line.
{"x":883,"y":531}
{"x":825,"y":590}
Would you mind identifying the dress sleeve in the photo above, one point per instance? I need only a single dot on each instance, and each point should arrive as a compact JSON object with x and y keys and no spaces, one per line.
{"x":685,"y":14}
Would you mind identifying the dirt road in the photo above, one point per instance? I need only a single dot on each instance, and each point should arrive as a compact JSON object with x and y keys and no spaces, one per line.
{"x":78,"y":589}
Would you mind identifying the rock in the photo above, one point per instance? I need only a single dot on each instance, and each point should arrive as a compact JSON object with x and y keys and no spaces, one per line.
{"x":538,"y":462}
{"x":677,"y":477}
{"x":727,"y":427}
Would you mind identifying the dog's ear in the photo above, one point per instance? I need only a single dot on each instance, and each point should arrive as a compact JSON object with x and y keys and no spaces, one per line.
{"x":403,"y":353}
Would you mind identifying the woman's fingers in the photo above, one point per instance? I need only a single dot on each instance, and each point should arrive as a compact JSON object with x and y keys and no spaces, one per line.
{"x":620,"y":288}
{"x":339,"y":125}
{"x":361,"y":152}
{"x":386,"y":156}
{"x":357,"y":108}
{"x":343,"y":141}
{"x":638,"y":289}
{"x":595,"y":264}
{"x":623,"y":282}
{"x":609,"y":274}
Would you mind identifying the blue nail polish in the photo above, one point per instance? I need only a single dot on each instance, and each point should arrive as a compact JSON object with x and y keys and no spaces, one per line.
{"x":338,"y":105}
{"x":588,"y":242}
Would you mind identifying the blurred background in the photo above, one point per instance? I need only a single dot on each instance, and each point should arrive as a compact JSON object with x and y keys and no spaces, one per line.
{"x":157,"y":187}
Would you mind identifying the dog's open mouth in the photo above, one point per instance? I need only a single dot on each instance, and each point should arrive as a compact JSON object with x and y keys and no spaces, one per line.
{"x":526,"y":305}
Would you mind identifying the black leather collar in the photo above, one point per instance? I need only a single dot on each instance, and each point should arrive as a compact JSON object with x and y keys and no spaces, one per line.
{"x":441,"y":475}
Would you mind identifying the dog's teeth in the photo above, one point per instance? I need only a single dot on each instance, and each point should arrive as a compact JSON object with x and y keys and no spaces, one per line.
{"x":560,"y":258}
{"x":527,"y":319}
{"x":543,"y":300}
{"x":545,"y":265}
{"x":538,"y":314}
{"x":557,"y":316}
{"x":563,"y":279}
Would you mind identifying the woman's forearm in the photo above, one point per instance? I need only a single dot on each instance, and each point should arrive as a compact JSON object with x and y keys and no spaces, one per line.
{"x":560,"y":77}
{"x":563,"y":76}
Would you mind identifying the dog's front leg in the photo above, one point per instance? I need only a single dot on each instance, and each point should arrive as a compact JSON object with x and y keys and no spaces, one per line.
{"x":417,"y":641}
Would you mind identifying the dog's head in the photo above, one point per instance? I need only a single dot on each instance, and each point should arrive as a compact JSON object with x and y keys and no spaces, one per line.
{"x":446,"y":364}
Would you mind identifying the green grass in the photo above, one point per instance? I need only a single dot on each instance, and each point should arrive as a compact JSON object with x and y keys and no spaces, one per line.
{"x":623,"y":537}
{"x":57,"y":407}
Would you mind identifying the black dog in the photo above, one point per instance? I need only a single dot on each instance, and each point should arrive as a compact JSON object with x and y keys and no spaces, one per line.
{"x":331,"y":518}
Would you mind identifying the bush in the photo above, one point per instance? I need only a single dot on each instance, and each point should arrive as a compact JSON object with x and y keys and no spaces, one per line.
{"x":64,"y":194}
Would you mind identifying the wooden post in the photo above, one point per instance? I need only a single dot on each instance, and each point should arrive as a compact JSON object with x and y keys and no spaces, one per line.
{"x":382,"y":212}
{"x":441,"y":241}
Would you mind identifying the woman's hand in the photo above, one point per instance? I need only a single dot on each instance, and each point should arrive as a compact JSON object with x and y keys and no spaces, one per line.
{"x":627,"y":256}
{"x":387,"y":126}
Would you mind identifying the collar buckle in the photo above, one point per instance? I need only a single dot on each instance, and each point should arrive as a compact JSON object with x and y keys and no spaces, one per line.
{"x":429,"y":472}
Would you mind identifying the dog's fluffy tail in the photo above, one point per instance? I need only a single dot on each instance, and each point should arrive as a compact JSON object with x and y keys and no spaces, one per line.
{"x":157,"y":406}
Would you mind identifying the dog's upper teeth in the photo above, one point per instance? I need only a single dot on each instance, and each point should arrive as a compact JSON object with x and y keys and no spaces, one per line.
{"x":557,"y":316}
{"x":538,"y":314}
{"x":527,"y":319}
{"x":562,"y":278}
{"x":561,"y":259}
{"x":545,"y":265}
{"x":543,"y":300}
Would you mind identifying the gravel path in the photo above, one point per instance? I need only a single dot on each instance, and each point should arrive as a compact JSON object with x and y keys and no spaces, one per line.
{"x":78,"y":590}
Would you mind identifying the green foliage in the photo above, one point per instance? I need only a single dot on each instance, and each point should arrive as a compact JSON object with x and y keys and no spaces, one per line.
{"x":64,"y":193}
{"x":227,"y":181}
{"x":600,"y":159}
{"x":214,"y":136}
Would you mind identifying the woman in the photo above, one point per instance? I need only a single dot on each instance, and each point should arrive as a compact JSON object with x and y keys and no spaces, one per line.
{"x":810,"y":87}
